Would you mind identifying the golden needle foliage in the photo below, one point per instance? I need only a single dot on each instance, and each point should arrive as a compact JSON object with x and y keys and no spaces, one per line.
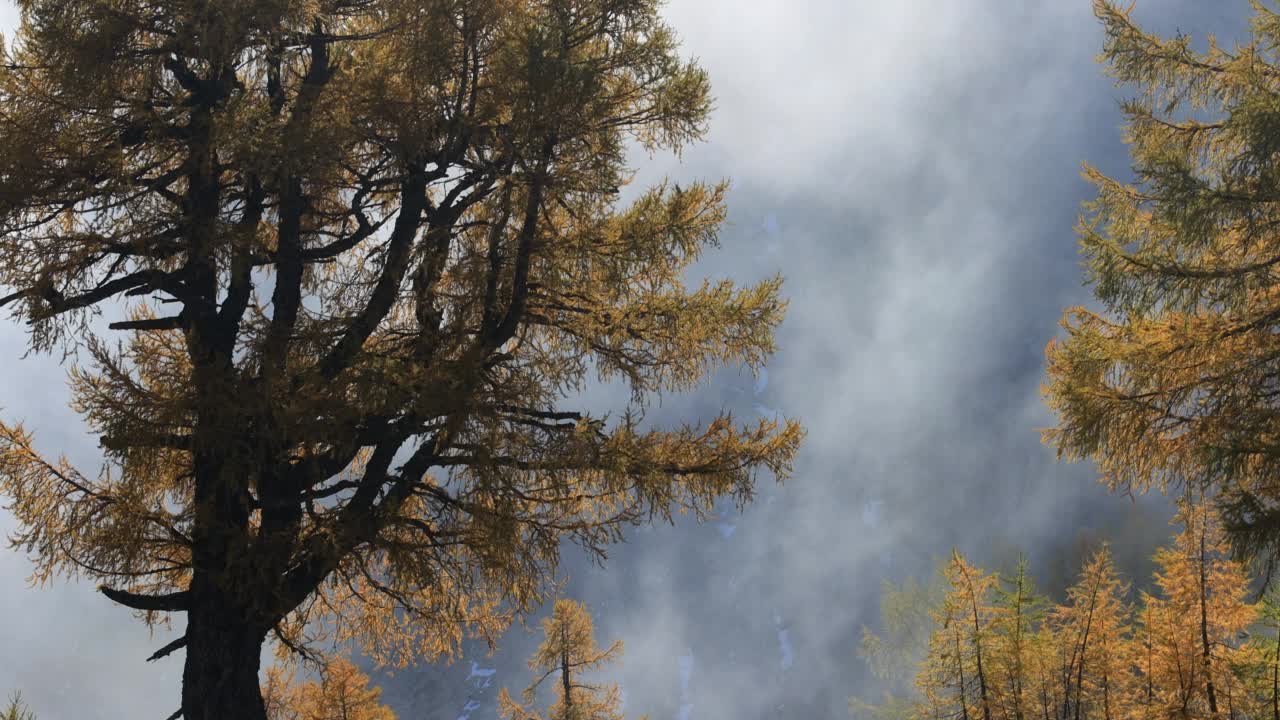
{"x":1174,"y":380}
{"x":1194,"y":648}
{"x":355,"y":256}
{"x":568,"y":650}
{"x":342,"y":692}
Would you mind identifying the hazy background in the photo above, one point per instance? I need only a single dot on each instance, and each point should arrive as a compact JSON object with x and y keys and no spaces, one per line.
{"x":912,"y":168}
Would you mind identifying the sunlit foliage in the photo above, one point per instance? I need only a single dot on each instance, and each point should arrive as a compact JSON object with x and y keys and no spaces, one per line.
{"x":568,"y":650}
{"x":342,"y":692}
{"x":351,"y":258}
{"x":1194,"y":647}
{"x":1173,"y":381}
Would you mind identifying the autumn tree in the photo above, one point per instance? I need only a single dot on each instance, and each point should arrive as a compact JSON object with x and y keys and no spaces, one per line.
{"x":1045,"y":690}
{"x":1196,"y":620}
{"x":1017,"y":611}
{"x":1193,"y":648}
{"x":16,"y":709}
{"x":342,"y":692}
{"x":354,"y":257}
{"x":1174,"y":380}
{"x":956,"y":680}
{"x":1094,"y":626}
{"x":1261,"y":667}
{"x":568,"y":650}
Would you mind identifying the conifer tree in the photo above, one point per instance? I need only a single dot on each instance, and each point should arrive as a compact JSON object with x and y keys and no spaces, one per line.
{"x":1174,"y":381}
{"x":941,"y":682}
{"x":567,"y":651}
{"x":342,"y":692}
{"x":1047,"y":660}
{"x":16,"y":709}
{"x":1094,"y":626}
{"x":1196,"y":621}
{"x":1145,"y":704}
{"x":1261,"y":668}
{"x":1192,"y":649}
{"x":1018,"y":611}
{"x":956,"y":680}
{"x":354,"y":258}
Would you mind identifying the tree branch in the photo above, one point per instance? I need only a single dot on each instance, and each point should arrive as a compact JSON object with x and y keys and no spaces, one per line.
{"x":413,"y":201}
{"x":165,"y":323}
{"x":173,"y":602}
{"x":168,"y":649}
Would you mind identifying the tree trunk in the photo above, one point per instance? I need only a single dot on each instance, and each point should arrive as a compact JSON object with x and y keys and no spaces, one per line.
{"x":220,"y":677}
{"x":1275,"y":679}
{"x":1204,"y":620}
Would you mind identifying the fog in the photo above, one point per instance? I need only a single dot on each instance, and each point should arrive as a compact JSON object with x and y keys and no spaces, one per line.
{"x":912,"y":169}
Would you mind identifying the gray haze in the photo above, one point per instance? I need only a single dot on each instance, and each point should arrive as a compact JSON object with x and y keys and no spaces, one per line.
{"x":912,"y":168}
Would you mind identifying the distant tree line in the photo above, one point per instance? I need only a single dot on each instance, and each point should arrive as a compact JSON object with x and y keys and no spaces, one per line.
{"x":988,"y":646}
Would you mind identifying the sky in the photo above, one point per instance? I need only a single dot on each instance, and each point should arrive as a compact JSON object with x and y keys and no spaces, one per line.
{"x":912,"y":168}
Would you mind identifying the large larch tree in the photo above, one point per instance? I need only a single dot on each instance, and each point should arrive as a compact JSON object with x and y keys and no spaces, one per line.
{"x":1174,"y":380}
{"x":351,"y":258}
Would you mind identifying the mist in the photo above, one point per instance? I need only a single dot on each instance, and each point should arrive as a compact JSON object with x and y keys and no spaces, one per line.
{"x":912,"y":170}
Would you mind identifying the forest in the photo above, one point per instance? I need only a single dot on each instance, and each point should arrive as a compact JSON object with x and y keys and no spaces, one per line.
{"x":411,"y":358}
{"x":977,"y":644}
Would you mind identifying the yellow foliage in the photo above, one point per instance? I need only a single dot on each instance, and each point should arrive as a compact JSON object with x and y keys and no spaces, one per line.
{"x":568,"y":650}
{"x":1187,"y":651}
{"x":342,"y":692}
{"x":1173,"y":382}
{"x":361,"y":254}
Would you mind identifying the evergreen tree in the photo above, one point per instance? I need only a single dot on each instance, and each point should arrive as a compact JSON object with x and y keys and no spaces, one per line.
{"x":356,"y":255}
{"x":567,"y":651}
{"x":1260,"y":669}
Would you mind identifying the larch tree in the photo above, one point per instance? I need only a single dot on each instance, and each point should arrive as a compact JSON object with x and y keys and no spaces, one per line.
{"x":1017,"y":611}
{"x":1044,"y":673}
{"x":354,"y":257}
{"x":1197,"y":619}
{"x":971,"y":598}
{"x":1193,"y":649}
{"x":941,"y":681}
{"x":1262,"y":666}
{"x":568,"y":650}
{"x":1094,"y":626}
{"x":1174,"y":380}
{"x":956,"y":681}
{"x":17,"y":709}
{"x":342,"y":692}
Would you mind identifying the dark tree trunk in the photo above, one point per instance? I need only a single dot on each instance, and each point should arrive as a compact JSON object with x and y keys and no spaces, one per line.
{"x":220,"y":678}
